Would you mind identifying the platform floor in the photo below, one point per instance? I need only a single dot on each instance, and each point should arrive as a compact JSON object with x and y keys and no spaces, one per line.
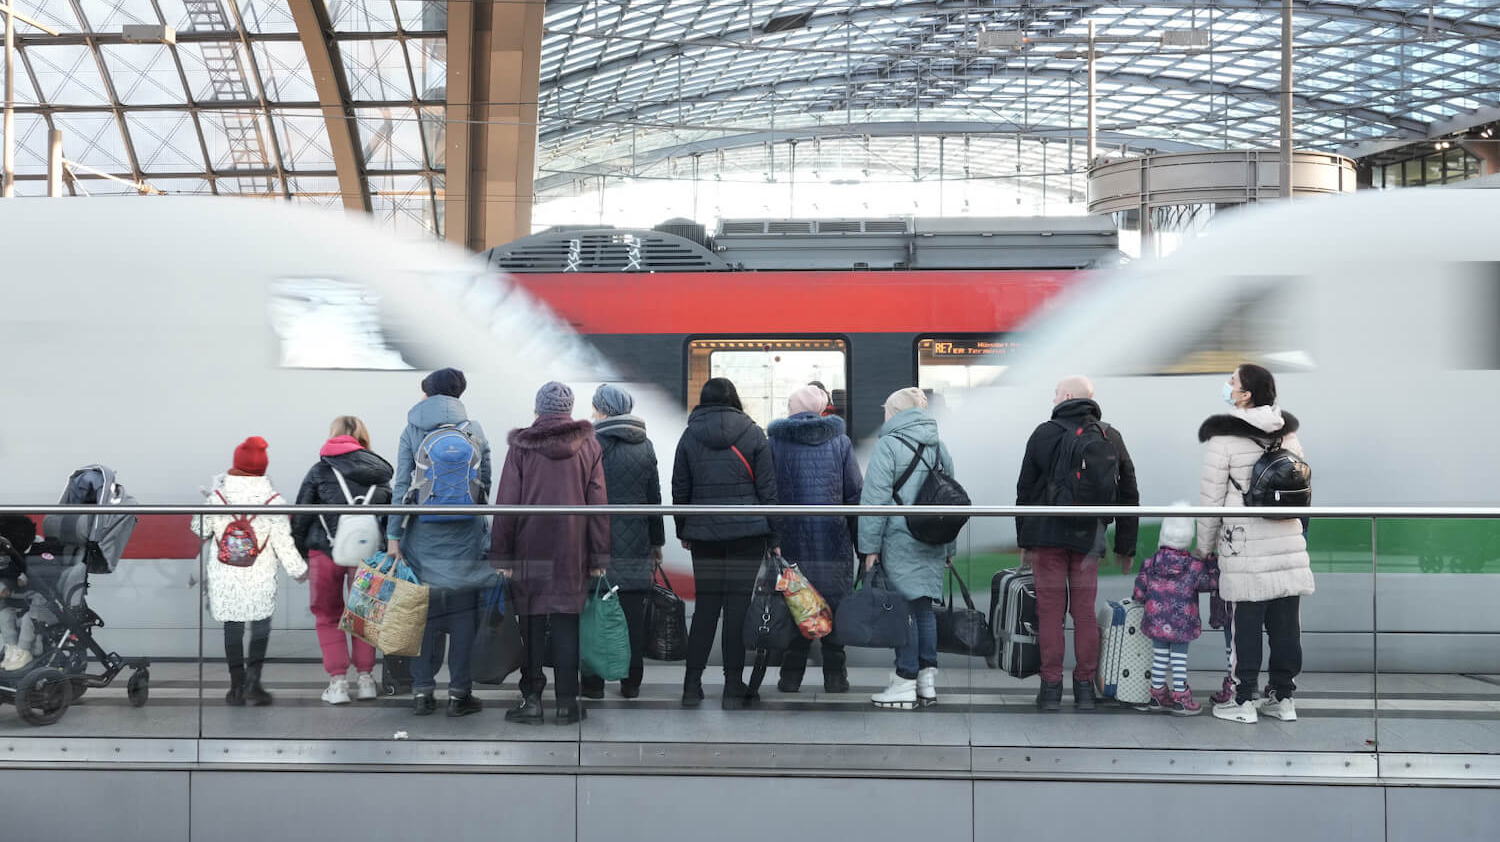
{"x":979,"y":708}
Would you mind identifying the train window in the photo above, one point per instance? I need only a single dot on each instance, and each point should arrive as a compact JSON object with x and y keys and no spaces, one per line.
{"x":947,"y":365}
{"x":323,"y":323}
{"x":1262,"y":324}
{"x":767,"y":371}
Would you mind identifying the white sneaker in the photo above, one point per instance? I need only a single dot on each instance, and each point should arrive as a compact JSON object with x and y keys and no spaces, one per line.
{"x":337,"y":692}
{"x":368,"y":689}
{"x":1231,"y":712}
{"x":901,"y":695}
{"x":927,"y":686}
{"x":1283,"y":709}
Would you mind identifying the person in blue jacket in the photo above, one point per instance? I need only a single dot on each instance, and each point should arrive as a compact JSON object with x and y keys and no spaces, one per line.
{"x":815,"y":466}
{"x":913,"y":568}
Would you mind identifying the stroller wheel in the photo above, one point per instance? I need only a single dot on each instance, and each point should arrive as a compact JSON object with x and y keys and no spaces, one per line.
{"x":43,"y":696}
{"x":138,"y":689}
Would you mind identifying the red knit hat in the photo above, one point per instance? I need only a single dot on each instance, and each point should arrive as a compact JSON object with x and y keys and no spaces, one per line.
{"x":250,"y":457}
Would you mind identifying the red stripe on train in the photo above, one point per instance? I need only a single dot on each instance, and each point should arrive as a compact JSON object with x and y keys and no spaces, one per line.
{"x":968,"y":301}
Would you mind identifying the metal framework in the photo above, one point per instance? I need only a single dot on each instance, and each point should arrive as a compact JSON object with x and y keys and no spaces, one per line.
{"x":251,"y":100}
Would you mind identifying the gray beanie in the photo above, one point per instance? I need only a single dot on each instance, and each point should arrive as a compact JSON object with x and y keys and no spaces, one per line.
{"x":554,"y":398}
{"x":612,"y":401}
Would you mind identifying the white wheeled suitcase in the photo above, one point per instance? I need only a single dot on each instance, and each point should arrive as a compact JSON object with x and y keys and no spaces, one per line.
{"x":1124,"y":653}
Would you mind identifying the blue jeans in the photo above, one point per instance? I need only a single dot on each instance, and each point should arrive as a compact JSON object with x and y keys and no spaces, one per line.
{"x":920,"y":650}
{"x":454,"y":615}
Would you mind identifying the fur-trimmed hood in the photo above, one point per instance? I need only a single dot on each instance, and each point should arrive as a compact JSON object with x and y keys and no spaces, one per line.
{"x":553,"y":436}
{"x":626,"y":428}
{"x":807,"y":428}
{"x":1258,"y":422}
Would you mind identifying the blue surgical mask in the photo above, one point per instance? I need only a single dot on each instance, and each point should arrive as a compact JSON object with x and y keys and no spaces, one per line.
{"x":1228,"y":393}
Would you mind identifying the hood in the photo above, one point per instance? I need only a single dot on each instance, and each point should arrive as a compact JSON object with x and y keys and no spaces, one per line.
{"x":626,"y":428}
{"x":1257,"y":422}
{"x":1078,"y":408}
{"x":360,"y":467}
{"x":1170,"y":562}
{"x":433,"y":412}
{"x":339,"y":445}
{"x":553,"y":436}
{"x":718,"y":427}
{"x":915,"y":424}
{"x":807,"y":428}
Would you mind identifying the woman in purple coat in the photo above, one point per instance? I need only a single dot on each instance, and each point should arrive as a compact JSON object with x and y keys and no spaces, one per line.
{"x":815,"y":466}
{"x":1169,"y":584}
{"x":549,"y":559}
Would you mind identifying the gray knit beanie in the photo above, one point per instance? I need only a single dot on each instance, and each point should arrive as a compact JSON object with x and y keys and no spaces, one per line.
{"x":612,"y":401}
{"x":554,"y":398}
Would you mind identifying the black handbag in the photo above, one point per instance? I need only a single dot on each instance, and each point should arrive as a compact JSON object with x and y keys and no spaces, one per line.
{"x":874,"y":616}
{"x":666,"y":621}
{"x":498,"y":650}
{"x":963,"y":631}
{"x":768,"y":623}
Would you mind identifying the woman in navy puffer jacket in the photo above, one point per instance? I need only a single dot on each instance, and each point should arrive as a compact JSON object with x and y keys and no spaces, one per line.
{"x":815,"y":466}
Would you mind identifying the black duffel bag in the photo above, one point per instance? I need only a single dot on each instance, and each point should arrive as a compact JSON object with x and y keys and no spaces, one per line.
{"x":768,"y":624}
{"x":666,"y":622}
{"x":963,"y":631}
{"x":874,"y":616}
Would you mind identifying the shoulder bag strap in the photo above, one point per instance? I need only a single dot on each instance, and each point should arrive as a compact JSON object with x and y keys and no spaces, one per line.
{"x":962,"y":588}
{"x":744,"y":461}
{"x":910,"y":469}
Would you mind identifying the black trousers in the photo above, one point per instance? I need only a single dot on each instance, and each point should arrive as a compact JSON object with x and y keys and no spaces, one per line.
{"x":234,"y":643}
{"x":725,"y":574}
{"x":794,"y":662}
{"x":564,"y":629}
{"x":1281,"y":622}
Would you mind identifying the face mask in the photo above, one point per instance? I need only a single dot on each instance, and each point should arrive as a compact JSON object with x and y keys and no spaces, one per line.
{"x":1228,"y":393}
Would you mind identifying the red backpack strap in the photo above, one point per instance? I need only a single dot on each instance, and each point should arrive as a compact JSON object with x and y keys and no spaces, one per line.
{"x":744,"y":461}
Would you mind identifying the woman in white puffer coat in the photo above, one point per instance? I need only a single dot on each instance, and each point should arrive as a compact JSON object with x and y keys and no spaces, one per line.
{"x":241,"y":595}
{"x":1264,"y":567}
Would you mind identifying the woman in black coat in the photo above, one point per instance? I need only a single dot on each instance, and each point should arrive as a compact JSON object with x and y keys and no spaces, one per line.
{"x":346,"y":454}
{"x":722,"y":459}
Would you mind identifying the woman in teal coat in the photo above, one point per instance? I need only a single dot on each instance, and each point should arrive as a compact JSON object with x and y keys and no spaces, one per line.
{"x":913,"y":568}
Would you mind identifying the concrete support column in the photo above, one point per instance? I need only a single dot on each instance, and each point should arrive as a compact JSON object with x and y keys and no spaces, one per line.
{"x":1488,"y":154}
{"x":494,"y":69}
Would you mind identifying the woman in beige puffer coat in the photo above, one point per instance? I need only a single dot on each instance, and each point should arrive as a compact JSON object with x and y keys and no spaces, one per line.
{"x":1263,"y":563}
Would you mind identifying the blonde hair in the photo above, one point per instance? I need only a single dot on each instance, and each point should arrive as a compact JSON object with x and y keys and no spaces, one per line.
{"x":350,"y":425}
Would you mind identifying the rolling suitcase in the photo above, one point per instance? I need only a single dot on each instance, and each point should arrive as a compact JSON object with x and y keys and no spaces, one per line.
{"x":1124,"y":653}
{"x":1013,"y":618}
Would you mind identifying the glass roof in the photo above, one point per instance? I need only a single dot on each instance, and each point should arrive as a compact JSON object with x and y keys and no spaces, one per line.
{"x":627,"y":85}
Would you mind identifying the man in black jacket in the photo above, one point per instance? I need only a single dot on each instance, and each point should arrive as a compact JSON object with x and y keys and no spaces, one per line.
{"x":1064,"y":552}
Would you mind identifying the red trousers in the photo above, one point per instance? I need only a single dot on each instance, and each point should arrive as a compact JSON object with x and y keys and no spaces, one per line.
{"x":1066,"y":580}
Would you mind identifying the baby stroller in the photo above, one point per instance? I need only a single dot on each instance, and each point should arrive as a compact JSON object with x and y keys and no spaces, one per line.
{"x":56,"y":571}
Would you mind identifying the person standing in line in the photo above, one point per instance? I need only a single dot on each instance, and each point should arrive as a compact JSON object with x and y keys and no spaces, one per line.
{"x":345,"y":462}
{"x":1168,"y":585}
{"x":549,"y":560}
{"x":1264,"y":568}
{"x":913,"y":568}
{"x":815,"y":466}
{"x":723,"y":459}
{"x":630,"y":478}
{"x":445,"y":551}
{"x":245,"y":551}
{"x":1064,"y":552}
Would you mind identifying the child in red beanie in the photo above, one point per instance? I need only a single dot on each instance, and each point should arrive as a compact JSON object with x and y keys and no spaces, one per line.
{"x":245,"y":550}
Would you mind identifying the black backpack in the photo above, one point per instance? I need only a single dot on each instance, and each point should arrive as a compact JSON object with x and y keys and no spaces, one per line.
{"x":938,"y":489}
{"x":1085,"y":466}
{"x":1279,"y":478}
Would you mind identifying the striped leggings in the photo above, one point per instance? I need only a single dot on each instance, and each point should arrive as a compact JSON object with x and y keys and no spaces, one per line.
{"x":1169,"y":656}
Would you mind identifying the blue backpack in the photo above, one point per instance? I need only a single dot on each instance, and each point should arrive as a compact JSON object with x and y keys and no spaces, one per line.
{"x":447,"y":471}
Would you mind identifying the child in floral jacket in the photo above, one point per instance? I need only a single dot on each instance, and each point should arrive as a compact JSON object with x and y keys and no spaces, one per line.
{"x":1169,"y":584}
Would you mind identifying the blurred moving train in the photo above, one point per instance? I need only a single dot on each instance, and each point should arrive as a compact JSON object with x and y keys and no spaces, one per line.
{"x":147,"y":350}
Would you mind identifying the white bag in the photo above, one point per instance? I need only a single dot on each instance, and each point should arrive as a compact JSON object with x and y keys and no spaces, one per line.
{"x":358,"y":536}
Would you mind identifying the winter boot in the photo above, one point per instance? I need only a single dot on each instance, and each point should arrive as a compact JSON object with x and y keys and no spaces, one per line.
{"x":631,"y":686}
{"x":591,"y":687}
{"x":528,"y":712}
{"x":1183,"y":703}
{"x":1049,"y":698}
{"x":927,"y":686}
{"x":236,"y":695}
{"x":793,"y":667}
{"x":1160,"y":700}
{"x":835,"y":673}
{"x":570,"y":712}
{"x":1226,"y":693}
{"x":900,"y":695}
{"x":1083,"y":695}
{"x":255,"y":694}
{"x":463,"y":705}
{"x":692,"y":688}
{"x":736,"y":695}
